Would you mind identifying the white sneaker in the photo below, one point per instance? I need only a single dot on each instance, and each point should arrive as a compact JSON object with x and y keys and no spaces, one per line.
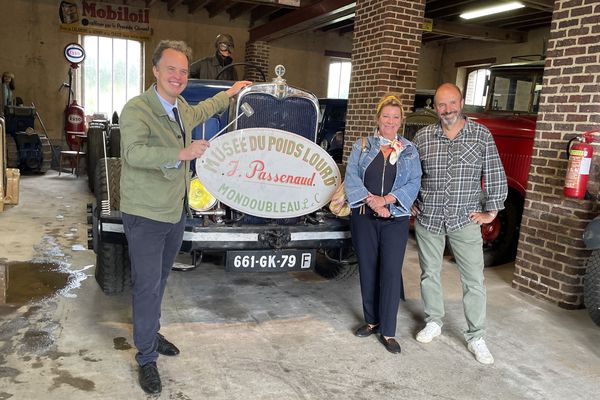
{"x":430,"y":331}
{"x":482,"y":354}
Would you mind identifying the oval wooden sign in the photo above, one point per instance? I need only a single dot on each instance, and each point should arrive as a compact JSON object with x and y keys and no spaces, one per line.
{"x":268,"y":172}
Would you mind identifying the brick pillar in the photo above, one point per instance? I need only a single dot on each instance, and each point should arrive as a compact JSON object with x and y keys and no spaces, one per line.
{"x":257,"y":53}
{"x":551,"y":255}
{"x":385,"y":58}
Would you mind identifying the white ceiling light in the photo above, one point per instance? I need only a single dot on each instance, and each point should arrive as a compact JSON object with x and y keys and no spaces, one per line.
{"x":492,"y":10}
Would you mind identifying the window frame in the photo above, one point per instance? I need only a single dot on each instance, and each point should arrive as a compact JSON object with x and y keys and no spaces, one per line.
{"x":129,"y":92}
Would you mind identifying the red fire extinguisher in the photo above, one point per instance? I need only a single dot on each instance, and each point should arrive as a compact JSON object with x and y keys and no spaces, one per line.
{"x":75,"y":125}
{"x":578,"y":168}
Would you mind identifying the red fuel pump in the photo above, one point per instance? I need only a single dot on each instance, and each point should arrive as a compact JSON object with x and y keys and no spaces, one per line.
{"x":74,"y":114}
{"x":578,"y":168}
{"x":75,"y":125}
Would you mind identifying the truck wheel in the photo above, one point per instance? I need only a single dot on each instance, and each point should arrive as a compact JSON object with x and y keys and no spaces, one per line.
{"x":338,"y":263}
{"x":501,"y":236}
{"x":12,"y":152}
{"x":46,"y":154}
{"x":95,"y":151}
{"x":113,"y":270}
{"x":591,"y":287}
{"x":114,"y":141}
{"x":113,"y":179}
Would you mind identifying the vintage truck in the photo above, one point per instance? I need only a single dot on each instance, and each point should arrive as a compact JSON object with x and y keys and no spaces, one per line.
{"x":312,"y":240}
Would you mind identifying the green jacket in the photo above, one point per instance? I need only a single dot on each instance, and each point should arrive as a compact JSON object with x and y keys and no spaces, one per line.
{"x":151,"y":185}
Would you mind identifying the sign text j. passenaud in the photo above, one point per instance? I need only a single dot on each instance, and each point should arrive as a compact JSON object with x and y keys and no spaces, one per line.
{"x":268,"y":172}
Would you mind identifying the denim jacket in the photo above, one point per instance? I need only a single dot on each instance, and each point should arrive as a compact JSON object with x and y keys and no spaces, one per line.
{"x":408,"y":175}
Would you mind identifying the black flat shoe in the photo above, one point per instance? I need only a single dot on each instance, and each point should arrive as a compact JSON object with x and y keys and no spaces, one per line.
{"x":366,"y":330}
{"x":390,"y":344}
{"x":165,"y":347}
{"x":150,"y":379}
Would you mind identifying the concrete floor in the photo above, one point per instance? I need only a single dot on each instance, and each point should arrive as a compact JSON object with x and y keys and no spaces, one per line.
{"x":266,"y":336}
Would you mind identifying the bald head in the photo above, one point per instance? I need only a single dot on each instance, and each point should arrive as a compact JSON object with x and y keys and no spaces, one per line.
{"x":448,"y":102}
{"x":446,"y":88}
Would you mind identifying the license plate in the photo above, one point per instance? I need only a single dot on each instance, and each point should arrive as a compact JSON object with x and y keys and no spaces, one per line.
{"x":270,"y":260}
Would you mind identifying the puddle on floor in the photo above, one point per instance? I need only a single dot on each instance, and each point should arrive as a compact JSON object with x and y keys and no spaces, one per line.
{"x":25,"y":282}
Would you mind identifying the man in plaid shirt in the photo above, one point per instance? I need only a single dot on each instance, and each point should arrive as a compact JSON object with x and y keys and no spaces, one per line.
{"x":463,"y":186}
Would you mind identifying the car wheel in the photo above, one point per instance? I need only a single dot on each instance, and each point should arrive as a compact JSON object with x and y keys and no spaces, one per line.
{"x":591,"y":287}
{"x":337,"y":263}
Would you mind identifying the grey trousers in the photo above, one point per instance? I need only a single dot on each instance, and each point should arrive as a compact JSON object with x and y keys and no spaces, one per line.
{"x":153,"y":246}
{"x":467,"y":246}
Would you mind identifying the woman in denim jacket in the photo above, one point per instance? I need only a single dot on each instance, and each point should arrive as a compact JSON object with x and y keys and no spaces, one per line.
{"x":382,"y":180}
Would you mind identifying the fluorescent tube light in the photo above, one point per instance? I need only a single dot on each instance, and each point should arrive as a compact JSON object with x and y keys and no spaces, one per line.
{"x":492,"y":10}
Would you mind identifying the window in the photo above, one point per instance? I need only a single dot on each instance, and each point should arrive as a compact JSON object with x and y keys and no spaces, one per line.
{"x":338,"y":84}
{"x":112,"y":73}
{"x":517,"y":91}
{"x":475,"y":94}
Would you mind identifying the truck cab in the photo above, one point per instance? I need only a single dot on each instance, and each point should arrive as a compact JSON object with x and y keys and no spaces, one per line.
{"x":513,"y":97}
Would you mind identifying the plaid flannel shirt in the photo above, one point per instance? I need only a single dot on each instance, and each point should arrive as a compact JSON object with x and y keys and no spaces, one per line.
{"x":460,"y":176}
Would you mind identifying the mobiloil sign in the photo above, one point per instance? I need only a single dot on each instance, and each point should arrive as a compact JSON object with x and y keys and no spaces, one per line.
{"x":100,"y":18}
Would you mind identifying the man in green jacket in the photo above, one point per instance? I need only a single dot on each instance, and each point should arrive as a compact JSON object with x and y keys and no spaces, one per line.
{"x":156,"y":149}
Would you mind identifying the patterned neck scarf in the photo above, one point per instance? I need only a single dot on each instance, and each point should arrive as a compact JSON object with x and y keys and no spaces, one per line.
{"x":396,"y":145}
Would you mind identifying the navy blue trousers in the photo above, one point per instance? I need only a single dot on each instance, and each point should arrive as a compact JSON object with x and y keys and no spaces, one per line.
{"x":153,"y":246}
{"x":380,"y":245}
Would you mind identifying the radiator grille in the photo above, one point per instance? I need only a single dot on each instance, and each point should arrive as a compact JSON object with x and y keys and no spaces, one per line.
{"x":293,"y":114}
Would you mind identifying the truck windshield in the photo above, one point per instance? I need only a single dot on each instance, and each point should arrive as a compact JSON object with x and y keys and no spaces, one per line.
{"x":516,"y":91}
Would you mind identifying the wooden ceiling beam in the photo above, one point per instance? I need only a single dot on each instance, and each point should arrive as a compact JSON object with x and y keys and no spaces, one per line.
{"x":218,"y":7}
{"x":262,"y":12}
{"x":544,"y":5}
{"x":240,"y":9}
{"x":303,"y":19}
{"x":195,"y":5}
{"x":477,"y":32}
{"x":172,"y":5}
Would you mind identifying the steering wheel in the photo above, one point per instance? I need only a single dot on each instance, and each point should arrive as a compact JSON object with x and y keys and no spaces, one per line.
{"x":256,"y":67}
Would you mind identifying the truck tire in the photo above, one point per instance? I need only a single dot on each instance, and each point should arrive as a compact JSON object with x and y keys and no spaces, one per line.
{"x":12,"y":152}
{"x":46,"y":154}
{"x":113,"y":179}
{"x":95,"y":151}
{"x":338,"y":264}
{"x":114,"y":141}
{"x":591,"y":287}
{"x":502,"y":236}
{"x":113,"y":268}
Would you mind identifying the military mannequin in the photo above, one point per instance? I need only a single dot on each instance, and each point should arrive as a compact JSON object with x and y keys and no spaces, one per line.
{"x":209,"y":67}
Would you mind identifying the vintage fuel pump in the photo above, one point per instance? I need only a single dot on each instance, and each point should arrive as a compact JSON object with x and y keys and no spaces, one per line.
{"x":74,"y":113}
{"x":578,"y":168}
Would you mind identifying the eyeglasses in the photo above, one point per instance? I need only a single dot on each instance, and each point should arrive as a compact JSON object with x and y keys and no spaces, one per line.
{"x":225,"y":47}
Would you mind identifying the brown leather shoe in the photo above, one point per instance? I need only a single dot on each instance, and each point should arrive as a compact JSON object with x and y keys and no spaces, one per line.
{"x":366,"y":330}
{"x":390,"y":344}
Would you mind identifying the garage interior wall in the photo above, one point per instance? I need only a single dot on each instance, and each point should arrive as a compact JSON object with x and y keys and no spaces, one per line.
{"x":32,"y":48}
{"x":438,"y":59}
{"x":551,"y":254}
